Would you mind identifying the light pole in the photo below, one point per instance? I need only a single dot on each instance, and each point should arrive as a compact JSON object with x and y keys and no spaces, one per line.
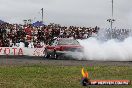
{"x":25,"y":22}
{"x":42,"y":14}
{"x":29,"y":21}
{"x":111,"y":21}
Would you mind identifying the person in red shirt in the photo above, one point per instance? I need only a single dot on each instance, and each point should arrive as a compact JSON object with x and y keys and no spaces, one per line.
{"x":28,"y":30}
{"x":28,"y":37}
{"x":39,"y":45}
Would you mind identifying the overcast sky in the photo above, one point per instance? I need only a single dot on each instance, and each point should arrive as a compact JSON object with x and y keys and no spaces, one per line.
{"x":68,"y":12}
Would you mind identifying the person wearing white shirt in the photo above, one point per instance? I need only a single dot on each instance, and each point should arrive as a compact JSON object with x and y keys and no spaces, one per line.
{"x":31,"y":45}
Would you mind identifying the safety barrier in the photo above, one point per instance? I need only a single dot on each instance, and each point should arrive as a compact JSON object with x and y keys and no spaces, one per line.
{"x":22,"y":51}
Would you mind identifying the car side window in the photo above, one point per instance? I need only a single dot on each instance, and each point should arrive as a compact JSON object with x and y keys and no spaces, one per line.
{"x":55,"y":43}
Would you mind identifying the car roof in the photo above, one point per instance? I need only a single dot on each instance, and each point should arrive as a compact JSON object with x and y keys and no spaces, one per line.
{"x":65,"y":38}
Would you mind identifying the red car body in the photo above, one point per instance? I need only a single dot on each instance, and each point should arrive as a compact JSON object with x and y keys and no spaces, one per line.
{"x":63,"y":45}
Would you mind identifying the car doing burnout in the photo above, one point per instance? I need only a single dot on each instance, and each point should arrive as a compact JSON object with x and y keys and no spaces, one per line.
{"x":62,"y":47}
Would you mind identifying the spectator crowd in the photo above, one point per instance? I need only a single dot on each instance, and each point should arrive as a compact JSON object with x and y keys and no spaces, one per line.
{"x":36,"y":36}
{"x":118,"y":34}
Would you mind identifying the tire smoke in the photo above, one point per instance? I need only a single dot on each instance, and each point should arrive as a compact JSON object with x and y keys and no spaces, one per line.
{"x":108,"y":49}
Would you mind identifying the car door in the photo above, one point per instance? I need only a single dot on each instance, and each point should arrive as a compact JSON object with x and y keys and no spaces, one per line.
{"x":53,"y":45}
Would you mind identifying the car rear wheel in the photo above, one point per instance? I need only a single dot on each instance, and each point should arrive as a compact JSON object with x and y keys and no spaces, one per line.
{"x":54,"y":55}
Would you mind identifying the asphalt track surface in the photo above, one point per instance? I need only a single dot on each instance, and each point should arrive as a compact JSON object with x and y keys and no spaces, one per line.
{"x":25,"y":60}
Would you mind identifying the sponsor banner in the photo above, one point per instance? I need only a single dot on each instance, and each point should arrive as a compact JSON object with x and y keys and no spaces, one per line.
{"x":22,"y":51}
{"x":110,"y":82}
{"x":86,"y":81}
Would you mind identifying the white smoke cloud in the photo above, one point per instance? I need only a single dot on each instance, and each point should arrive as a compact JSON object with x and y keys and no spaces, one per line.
{"x":110,"y":50}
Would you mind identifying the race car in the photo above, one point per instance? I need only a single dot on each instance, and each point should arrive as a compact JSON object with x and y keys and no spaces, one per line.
{"x":62,"y":48}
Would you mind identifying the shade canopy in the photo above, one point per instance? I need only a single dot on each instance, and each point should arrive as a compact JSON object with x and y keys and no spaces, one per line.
{"x":1,"y":22}
{"x":38,"y":24}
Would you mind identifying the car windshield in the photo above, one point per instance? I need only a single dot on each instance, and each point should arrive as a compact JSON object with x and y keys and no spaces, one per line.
{"x":68,"y":42}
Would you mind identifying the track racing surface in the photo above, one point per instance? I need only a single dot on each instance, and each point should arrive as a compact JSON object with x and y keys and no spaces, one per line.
{"x":24,"y":60}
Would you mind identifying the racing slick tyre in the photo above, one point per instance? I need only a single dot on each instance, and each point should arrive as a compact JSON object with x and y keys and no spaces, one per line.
{"x":50,"y":55}
{"x":54,"y":55}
